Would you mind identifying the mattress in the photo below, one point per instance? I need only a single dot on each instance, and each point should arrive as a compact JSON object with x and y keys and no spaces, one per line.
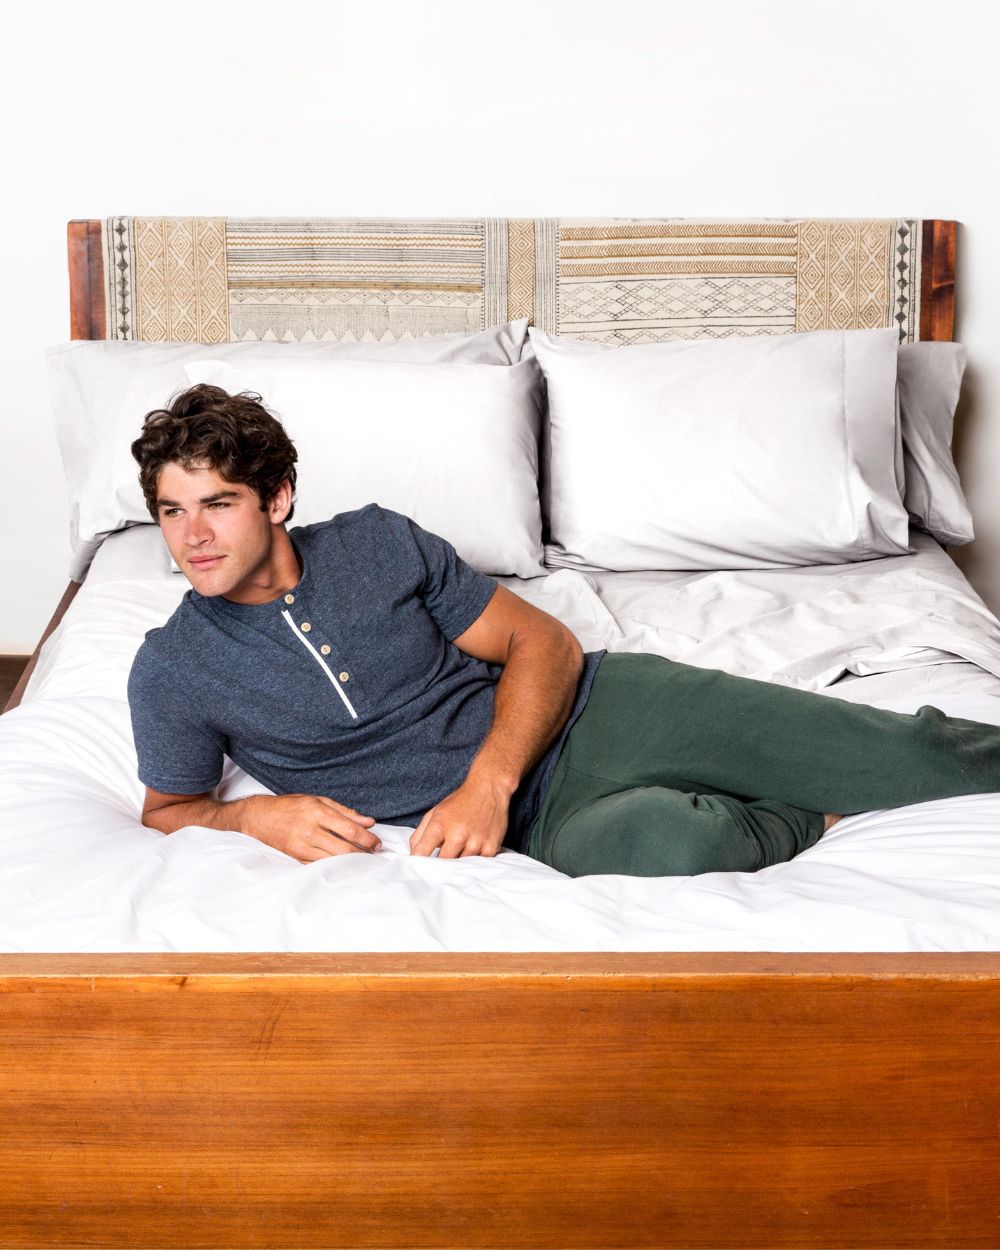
{"x":79,"y":872}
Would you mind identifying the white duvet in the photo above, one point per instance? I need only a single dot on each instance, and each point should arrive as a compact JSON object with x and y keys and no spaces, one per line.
{"x":79,"y":872}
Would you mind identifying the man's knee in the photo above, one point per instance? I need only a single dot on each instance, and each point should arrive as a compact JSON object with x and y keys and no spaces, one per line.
{"x":652,"y":832}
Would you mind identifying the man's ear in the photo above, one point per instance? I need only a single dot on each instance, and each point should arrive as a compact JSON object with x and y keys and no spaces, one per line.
{"x":281,"y":503}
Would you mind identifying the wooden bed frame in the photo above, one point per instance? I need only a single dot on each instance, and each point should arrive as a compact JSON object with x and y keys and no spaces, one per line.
{"x":428,"y":1100}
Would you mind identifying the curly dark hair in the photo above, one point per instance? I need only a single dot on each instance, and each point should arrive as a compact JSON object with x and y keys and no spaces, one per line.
{"x":205,"y":426}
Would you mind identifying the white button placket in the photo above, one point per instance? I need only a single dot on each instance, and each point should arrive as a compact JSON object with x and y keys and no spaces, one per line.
{"x":300,"y":632}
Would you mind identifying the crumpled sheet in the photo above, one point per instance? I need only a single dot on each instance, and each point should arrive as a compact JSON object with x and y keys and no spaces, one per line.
{"x":804,"y":627}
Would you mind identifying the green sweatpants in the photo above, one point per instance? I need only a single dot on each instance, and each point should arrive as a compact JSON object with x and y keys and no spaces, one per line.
{"x":673,"y":770}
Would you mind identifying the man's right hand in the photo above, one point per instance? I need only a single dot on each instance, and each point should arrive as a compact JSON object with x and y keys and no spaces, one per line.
{"x":306,"y":826}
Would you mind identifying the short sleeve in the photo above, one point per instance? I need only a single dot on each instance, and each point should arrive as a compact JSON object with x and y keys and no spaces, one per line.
{"x":454,"y":593}
{"x":176,"y":753}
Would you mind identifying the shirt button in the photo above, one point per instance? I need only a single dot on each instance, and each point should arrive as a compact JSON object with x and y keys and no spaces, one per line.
{"x":344,"y":676}
{"x":305,"y":627}
{"x":289,"y":598}
{"x":325,"y":648}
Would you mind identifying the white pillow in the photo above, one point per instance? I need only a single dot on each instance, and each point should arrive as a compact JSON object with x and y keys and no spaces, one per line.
{"x":930,"y":378}
{"x":453,"y":446}
{"x":102,"y":390}
{"x":722,"y":454}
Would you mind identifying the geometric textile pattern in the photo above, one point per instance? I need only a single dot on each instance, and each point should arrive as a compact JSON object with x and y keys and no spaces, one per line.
{"x":610,"y":280}
{"x":849,"y":276}
{"x":180,"y":277}
{"x":645,"y":281}
{"x":119,"y":277}
{"x":351,"y":314}
{"x":908,"y":247}
{"x":520,"y":268}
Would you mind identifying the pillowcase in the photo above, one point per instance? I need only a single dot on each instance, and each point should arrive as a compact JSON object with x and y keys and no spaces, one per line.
{"x":454,"y":446}
{"x":930,"y":378}
{"x":101,"y":391}
{"x":722,"y":454}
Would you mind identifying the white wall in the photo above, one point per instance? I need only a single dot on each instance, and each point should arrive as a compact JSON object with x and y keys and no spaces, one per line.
{"x":563,"y":108}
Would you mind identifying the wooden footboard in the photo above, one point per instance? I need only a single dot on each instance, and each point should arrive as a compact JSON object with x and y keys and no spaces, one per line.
{"x":500,"y":1101}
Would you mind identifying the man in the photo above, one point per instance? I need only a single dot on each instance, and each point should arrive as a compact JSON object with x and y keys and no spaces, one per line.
{"x":362,"y":671}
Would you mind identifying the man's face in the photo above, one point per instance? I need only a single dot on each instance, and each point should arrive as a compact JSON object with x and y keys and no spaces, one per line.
{"x":218,"y":535}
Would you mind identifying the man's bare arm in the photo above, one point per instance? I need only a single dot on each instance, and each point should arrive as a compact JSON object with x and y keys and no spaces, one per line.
{"x":305,"y":826}
{"x":542,"y":662}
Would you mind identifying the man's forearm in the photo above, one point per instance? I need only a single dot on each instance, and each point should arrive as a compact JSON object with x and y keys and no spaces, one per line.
{"x":207,"y":812}
{"x":306,"y":826}
{"x":534,"y":697}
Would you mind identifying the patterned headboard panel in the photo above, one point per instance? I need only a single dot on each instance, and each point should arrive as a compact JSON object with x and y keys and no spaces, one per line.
{"x":613,"y":280}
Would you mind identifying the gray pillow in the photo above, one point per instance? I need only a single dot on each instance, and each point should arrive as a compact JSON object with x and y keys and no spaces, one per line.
{"x":722,"y":454}
{"x":930,"y":377}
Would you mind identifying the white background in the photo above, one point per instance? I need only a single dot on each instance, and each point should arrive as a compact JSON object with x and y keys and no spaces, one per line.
{"x":452,"y":108}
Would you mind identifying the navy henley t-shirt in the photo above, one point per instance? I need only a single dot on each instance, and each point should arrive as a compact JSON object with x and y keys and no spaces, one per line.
{"x":347,"y":686}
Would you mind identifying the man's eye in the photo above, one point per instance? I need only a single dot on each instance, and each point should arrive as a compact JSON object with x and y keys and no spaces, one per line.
{"x":219,"y":503}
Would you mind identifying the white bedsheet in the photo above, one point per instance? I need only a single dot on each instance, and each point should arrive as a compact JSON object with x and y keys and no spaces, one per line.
{"x":78,"y":871}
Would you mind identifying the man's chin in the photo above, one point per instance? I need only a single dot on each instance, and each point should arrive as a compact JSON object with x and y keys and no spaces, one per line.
{"x":209,"y":579}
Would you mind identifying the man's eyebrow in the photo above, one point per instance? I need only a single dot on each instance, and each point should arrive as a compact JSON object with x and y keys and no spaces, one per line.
{"x":219,"y":494}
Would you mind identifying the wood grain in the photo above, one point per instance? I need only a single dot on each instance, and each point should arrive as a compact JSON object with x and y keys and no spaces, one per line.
{"x":11,"y":669}
{"x":486,"y":1101}
{"x":227,"y":969}
{"x":937,"y":280}
{"x":86,"y":281}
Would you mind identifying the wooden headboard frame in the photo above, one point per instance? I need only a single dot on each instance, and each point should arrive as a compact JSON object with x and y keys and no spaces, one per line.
{"x":88,"y":282}
{"x":464,"y":1100}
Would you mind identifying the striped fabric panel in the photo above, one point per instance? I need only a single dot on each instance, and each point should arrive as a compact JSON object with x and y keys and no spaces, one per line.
{"x":356,"y":280}
{"x":547,"y":275}
{"x":495,"y":266}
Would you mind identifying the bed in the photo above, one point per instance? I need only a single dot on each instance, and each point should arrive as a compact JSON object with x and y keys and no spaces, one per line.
{"x":205,"y":1043}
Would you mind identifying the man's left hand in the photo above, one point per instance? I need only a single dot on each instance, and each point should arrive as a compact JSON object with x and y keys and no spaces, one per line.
{"x":470,"y":821}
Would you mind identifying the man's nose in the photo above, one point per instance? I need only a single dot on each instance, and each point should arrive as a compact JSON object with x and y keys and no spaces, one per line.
{"x":198,"y":530}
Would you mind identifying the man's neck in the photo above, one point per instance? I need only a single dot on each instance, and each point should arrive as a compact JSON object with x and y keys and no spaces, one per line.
{"x":281,"y":573}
